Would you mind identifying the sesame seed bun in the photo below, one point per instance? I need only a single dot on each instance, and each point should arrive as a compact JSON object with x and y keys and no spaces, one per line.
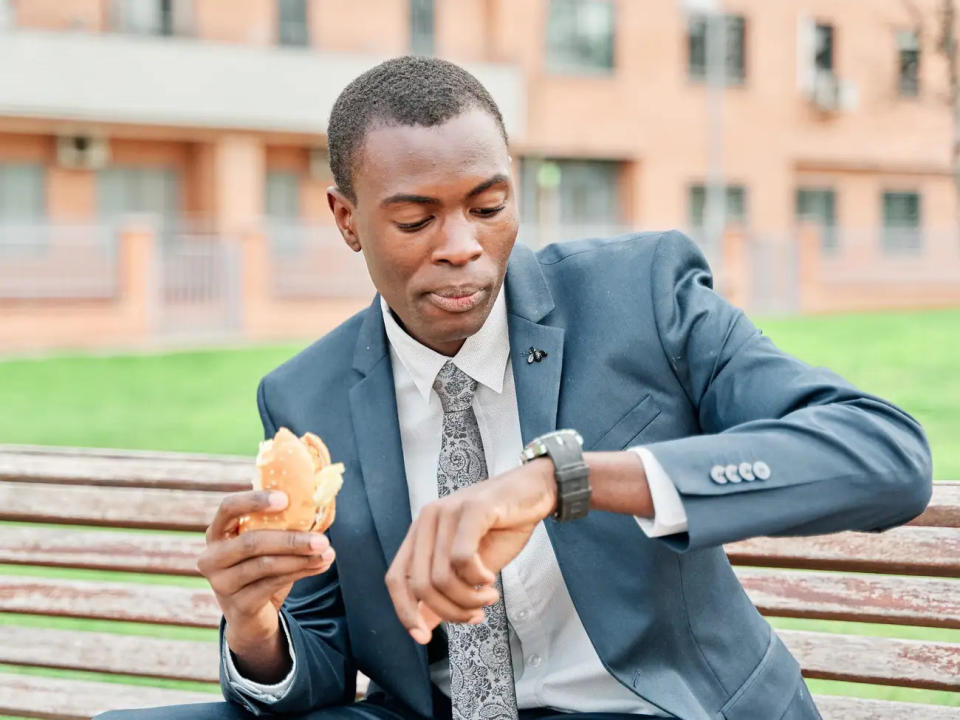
{"x":301,"y":468}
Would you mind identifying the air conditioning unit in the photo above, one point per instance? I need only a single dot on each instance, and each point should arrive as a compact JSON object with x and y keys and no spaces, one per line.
{"x":83,"y":152}
{"x":827,"y":92}
{"x":319,"y":163}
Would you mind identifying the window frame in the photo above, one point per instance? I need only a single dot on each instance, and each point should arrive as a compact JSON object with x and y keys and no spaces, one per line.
{"x":697,"y":73}
{"x":417,"y":11}
{"x":901,"y":239}
{"x":911,"y":88}
{"x":829,"y":241}
{"x":283,"y":36}
{"x":558,"y":59}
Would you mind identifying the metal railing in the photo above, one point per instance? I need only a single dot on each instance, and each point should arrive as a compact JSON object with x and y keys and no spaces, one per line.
{"x":75,"y":262}
{"x":194,"y":280}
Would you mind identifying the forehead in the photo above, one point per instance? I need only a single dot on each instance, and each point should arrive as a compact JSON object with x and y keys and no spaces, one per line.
{"x":399,"y":158}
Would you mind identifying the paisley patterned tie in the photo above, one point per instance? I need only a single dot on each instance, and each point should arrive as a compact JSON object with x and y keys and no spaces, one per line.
{"x":481,"y":669}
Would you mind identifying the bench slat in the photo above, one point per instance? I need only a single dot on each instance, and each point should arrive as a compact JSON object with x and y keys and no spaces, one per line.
{"x":904,"y":550}
{"x":111,"y":506}
{"x":833,"y":707}
{"x":99,"y":550}
{"x":876,"y":660}
{"x":885,"y":661}
{"x":944,"y":507}
{"x":864,"y":598}
{"x":60,"y":699}
{"x":110,"y":653}
{"x":18,"y":449}
{"x":166,"y":605}
{"x":125,"y":471}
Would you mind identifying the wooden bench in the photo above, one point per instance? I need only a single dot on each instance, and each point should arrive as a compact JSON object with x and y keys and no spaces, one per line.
{"x":907,"y":576}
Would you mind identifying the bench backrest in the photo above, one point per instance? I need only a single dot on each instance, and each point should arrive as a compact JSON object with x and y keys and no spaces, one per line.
{"x":61,"y":508}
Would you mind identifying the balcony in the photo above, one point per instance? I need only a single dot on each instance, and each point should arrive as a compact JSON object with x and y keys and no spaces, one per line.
{"x":184,"y":82}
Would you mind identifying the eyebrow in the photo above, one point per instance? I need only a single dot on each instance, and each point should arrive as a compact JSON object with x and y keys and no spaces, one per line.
{"x":424,"y":200}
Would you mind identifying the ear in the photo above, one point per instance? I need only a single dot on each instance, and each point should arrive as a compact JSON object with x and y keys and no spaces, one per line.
{"x":343,"y":210}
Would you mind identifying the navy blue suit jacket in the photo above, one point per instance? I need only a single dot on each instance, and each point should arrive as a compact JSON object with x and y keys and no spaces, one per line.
{"x":640,"y":350}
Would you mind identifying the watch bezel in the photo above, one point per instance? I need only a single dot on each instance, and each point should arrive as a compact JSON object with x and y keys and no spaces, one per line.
{"x":572,"y":478}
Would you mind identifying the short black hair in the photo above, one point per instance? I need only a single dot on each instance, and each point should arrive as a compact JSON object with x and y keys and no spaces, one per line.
{"x":406,"y":90}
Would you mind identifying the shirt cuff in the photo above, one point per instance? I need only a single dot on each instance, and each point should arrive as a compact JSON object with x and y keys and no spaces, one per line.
{"x":258,"y":691}
{"x":669,"y":517}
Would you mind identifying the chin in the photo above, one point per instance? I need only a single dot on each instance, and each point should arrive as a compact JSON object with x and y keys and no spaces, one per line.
{"x":444,"y":328}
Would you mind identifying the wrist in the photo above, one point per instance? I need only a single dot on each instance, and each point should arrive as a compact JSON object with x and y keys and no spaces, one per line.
{"x":546,"y":485}
{"x":243,"y":640}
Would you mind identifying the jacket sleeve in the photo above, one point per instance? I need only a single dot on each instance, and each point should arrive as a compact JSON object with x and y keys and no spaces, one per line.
{"x":786,"y":449}
{"x":324,"y":674}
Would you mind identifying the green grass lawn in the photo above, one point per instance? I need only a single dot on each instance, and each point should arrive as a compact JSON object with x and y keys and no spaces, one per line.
{"x":204,"y":401}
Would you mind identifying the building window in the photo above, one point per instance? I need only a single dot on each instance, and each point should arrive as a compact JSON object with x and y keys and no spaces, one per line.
{"x":292,"y":28}
{"x":819,"y":206}
{"x":733,"y":29}
{"x":153,"y":191}
{"x":22,"y":197}
{"x":901,"y":222}
{"x":823,"y":47}
{"x":282,"y":208}
{"x":151,"y":17}
{"x":908,"y":49}
{"x":580,"y":36}
{"x":22,"y":206}
{"x":421,"y":27}
{"x":569,"y":199}
{"x":734,"y":210}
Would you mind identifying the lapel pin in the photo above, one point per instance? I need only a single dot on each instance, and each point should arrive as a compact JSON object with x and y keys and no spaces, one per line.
{"x":535,"y":355}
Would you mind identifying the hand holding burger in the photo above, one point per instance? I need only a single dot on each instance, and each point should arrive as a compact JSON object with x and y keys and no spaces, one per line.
{"x":263,"y":540}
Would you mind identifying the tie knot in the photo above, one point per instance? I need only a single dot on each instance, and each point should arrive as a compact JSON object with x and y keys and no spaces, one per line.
{"x":455,"y":388}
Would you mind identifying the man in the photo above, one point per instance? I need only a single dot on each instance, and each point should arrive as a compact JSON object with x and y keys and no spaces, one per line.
{"x":591,"y":583}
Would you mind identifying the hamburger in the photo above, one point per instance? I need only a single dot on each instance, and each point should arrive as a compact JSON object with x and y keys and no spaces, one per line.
{"x":301,"y":468}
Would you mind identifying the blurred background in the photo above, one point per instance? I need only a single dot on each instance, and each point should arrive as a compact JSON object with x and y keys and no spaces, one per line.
{"x":163,"y":168}
{"x":165,"y":238}
{"x":163,"y":163}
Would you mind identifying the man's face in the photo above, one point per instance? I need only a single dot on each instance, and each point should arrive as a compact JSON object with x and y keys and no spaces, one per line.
{"x":436,"y":219}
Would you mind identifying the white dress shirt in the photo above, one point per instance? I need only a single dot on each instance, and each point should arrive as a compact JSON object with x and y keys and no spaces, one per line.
{"x":554,"y":662}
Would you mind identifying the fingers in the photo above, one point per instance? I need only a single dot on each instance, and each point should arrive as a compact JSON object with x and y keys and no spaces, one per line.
{"x":232,"y":580}
{"x":264,"y":542}
{"x":426,"y":557}
{"x":445,"y":579}
{"x":423,"y":583}
{"x":236,"y":505}
{"x":464,"y":548}
{"x":398,"y":585}
{"x":255,"y":596}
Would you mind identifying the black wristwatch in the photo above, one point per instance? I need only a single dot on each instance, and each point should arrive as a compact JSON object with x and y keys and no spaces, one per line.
{"x":565,"y":449}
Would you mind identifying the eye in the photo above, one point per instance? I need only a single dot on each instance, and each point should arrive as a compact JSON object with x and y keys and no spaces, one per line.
{"x":413,"y":227}
{"x":488,"y":212}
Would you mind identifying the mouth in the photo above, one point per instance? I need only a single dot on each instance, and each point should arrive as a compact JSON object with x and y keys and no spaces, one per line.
{"x":457,"y":299}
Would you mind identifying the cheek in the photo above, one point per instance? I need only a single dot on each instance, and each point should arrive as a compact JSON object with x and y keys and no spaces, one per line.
{"x":391,"y":263}
{"x":500,"y":235}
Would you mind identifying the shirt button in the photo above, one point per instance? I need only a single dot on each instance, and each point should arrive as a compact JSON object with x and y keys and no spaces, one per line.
{"x":522,"y":615}
{"x":534,"y":660}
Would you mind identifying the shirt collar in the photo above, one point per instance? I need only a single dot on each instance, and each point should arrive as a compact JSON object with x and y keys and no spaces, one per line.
{"x":483,"y":355}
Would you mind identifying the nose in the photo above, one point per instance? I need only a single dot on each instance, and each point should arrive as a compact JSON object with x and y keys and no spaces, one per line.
{"x":458,"y":244}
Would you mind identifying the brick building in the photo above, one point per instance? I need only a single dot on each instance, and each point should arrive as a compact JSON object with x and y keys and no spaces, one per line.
{"x":163,"y":165}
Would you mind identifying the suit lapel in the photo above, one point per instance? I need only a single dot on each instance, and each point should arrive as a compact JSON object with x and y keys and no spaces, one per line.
{"x":373,"y":406}
{"x":537,"y":383}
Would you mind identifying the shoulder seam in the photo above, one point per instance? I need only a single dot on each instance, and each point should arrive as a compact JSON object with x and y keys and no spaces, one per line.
{"x":594,"y":249}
